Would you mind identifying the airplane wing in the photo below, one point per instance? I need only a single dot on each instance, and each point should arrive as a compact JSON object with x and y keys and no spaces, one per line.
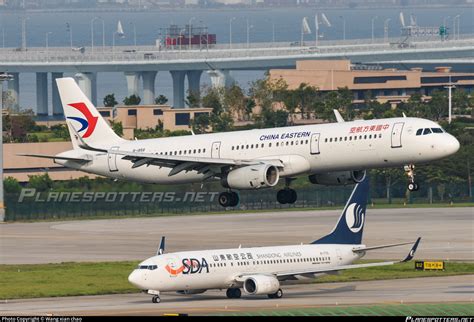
{"x":178,"y":163}
{"x":289,"y":274}
{"x":282,"y":275}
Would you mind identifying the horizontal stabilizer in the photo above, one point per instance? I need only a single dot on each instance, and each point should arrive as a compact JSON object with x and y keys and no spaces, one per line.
{"x":363,"y":249}
{"x":45,"y":156}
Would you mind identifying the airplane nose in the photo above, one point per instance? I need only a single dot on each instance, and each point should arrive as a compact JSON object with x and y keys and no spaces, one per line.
{"x":135,"y":279}
{"x":452,"y":146}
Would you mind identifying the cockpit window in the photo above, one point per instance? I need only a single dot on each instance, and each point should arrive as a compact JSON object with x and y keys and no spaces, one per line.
{"x":426,"y":131}
{"x":437,"y":130}
{"x":419,"y":131}
{"x":149,"y":267}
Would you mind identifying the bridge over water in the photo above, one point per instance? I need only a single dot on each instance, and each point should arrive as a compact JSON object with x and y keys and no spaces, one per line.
{"x":142,"y":63}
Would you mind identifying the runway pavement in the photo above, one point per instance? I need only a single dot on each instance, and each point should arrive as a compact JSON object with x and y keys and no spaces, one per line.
{"x":448,"y":233}
{"x":419,"y":290}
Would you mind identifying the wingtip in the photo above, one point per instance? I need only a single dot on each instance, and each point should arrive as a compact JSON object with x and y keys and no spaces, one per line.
{"x":412,"y":252}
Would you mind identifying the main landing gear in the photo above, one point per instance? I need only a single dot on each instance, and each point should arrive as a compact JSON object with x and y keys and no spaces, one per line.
{"x":234,"y":293}
{"x":287,"y":195}
{"x":228,"y":199}
{"x":277,"y":295}
{"x":410,"y":171}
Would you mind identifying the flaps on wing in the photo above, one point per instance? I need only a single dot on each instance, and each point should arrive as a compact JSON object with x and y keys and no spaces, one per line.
{"x":54,"y":157}
{"x":411,"y":254}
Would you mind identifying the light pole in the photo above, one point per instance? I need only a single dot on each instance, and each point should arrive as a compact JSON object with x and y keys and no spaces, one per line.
{"x":3,"y":37}
{"x":134,"y":34}
{"x":23,"y":32}
{"x":450,"y":87}
{"x":343,"y":27}
{"x":373,"y":22}
{"x":92,"y":32}
{"x":190,"y":31}
{"x":248,"y":33}
{"x":230,"y":31}
{"x":69,"y":30}
{"x":47,"y":44}
{"x":3,"y":77}
{"x":456,"y":19}
{"x":385,"y":29}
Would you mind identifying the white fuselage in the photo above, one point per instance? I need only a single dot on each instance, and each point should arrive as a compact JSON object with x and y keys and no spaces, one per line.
{"x":303,"y":150}
{"x":219,"y":269}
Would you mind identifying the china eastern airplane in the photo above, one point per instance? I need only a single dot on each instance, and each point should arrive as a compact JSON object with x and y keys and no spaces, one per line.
{"x":261,"y":270}
{"x":329,"y":154}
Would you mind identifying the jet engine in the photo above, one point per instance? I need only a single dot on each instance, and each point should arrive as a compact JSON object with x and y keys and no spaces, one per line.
{"x":261,"y":284}
{"x":251,"y":177}
{"x":338,"y":178}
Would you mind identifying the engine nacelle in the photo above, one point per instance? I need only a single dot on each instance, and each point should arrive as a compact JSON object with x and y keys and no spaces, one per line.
{"x":261,"y":284}
{"x":338,"y":178}
{"x":186,"y":292}
{"x":251,"y":177}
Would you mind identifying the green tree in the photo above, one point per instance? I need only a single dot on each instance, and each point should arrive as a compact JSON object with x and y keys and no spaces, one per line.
{"x":460,"y":101}
{"x":212,"y":99}
{"x":117,"y":127}
{"x":234,"y":101}
{"x":249,"y":106}
{"x":193,"y":100}
{"x":161,"y":100}
{"x":132,"y":100}
{"x":200,"y":124}
{"x":40,"y":182}
{"x":222,"y":123}
{"x":437,"y":107}
{"x":11,"y":185}
{"x":109,"y":100}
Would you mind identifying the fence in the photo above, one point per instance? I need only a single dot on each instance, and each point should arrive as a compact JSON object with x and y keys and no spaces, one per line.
{"x":39,"y":207}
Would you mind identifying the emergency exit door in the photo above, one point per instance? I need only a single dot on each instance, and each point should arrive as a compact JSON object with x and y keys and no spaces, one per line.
{"x":314,"y":146}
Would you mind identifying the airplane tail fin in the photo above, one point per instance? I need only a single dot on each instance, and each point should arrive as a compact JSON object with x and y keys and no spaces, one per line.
{"x":350,"y":226}
{"x":82,"y":117}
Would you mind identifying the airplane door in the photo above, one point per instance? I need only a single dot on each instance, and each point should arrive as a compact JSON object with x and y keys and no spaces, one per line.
{"x":112,"y":159}
{"x":338,"y":256}
{"x":397,"y":135}
{"x":314,"y":146}
{"x":216,"y":150}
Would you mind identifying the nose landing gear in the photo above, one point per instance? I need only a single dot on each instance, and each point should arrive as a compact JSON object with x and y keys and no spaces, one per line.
{"x":410,"y":171}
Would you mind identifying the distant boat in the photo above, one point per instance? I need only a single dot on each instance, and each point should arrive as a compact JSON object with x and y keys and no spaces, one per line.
{"x":119,"y":31}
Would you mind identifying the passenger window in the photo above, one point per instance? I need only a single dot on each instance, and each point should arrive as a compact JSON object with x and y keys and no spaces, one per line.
{"x":335,"y":139}
{"x":419,"y":131}
{"x":269,"y":145}
{"x":277,"y":144}
{"x":426,"y":131}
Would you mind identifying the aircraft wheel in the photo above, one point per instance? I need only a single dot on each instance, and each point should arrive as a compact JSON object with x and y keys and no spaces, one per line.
{"x":233,"y":293}
{"x":234,"y":199}
{"x":277,"y":295}
{"x":412,"y":186}
{"x":292,"y":196}
{"x":282,"y":196}
{"x":225,"y":199}
{"x":156,"y":299}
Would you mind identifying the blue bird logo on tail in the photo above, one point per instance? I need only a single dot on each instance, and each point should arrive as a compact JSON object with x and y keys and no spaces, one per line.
{"x":355,"y":217}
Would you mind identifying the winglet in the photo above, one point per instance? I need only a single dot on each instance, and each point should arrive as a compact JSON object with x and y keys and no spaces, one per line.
{"x":404,"y":115}
{"x":338,"y":116}
{"x":411,"y":254}
{"x":161,"y":250}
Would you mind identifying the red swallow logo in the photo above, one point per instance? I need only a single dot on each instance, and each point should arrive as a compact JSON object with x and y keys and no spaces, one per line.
{"x":89,"y":123}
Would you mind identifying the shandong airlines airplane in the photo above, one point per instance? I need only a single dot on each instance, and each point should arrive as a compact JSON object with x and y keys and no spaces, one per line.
{"x":329,"y":154}
{"x":261,"y":270}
